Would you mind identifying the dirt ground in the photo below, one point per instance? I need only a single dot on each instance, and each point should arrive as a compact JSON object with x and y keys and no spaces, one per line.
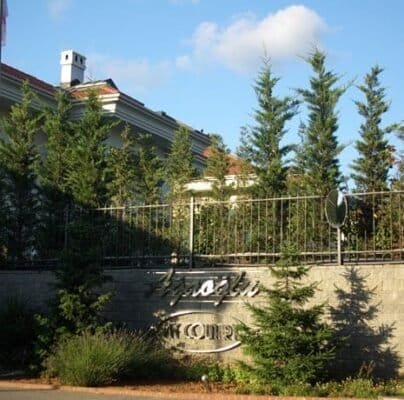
{"x":160,"y":387}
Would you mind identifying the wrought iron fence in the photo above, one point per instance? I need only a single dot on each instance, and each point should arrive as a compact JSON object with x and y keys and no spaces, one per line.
{"x":255,"y":231}
{"x":374,"y":229}
{"x":204,"y":232}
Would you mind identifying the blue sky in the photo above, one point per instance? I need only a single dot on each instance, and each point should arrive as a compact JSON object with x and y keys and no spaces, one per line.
{"x":197,"y":59}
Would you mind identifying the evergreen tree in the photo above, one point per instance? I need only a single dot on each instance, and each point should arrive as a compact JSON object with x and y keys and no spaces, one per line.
{"x":297,"y":182}
{"x":320,"y":145}
{"x":19,"y":160}
{"x":261,"y":144}
{"x":289,"y":343}
{"x":375,"y":155}
{"x":179,"y":169}
{"x":212,"y":228}
{"x":57,"y":128}
{"x":3,"y":213}
{"x":399,"y":182}
{"x":135,"y":171}
{"x":80,"y":276}
{"x":87,"y":156}
{"x":53,"y":174}
{"x":121,"y":171}
{"x":149,"y":172}
{"x":217,"y":167}
{"x":80,"y":296}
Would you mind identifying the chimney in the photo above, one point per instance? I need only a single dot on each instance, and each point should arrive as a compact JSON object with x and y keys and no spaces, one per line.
{"x":72,"y":68}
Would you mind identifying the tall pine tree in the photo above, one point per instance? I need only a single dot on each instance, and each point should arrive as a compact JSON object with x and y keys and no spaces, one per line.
{"x":135,"y":171}
{"x":375,"y":155}
{"x":53,"y":174}
{"x":179,"y":169}
{"x":3,"y":213}
{"x":261,"y":144}
{"x":217,"y":167}
{"x":58,"y":129}
{"x":87,"y":156}
{"x":19,"y":161}
{"x":149,"y":172}
{"x":399,"y":183}
{"x":121,"y":171}
{"x":320,"y":146}
{"x":80,"y":297}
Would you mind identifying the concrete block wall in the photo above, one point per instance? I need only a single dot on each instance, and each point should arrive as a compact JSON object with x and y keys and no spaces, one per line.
{"x":366,"y":301}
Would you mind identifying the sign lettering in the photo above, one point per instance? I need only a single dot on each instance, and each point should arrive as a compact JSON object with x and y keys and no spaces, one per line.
{"x":200,"y":332}
{"x":218,"y":288}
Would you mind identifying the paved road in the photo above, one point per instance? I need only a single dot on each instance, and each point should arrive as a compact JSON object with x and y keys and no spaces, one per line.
{"x":29,"y":394}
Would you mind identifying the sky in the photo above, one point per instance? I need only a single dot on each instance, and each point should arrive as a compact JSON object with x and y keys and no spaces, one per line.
{"x":197,"y":59}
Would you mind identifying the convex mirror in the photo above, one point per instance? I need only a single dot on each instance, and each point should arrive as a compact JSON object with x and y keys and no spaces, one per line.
{"x":336,"y":208}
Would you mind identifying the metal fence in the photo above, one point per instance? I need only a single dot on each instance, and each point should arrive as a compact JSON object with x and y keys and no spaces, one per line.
{"x":204,"y":232}
{"x":254,"y":232}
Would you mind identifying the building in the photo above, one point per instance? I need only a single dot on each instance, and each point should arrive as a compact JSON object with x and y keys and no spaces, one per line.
{"x":115,"y":103}
{"x":234,"y":180}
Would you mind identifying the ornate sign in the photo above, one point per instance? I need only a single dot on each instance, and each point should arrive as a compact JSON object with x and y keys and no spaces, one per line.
{"x":217,"y":288}
{"x":200,"y":332}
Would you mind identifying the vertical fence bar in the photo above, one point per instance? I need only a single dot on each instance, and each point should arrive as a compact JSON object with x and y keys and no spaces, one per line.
{"x":400,"y":230}
{"x":339,"y":248}
{"x":304,"y":228}
{"x":391,"y":227}
{"x":191,"y":231}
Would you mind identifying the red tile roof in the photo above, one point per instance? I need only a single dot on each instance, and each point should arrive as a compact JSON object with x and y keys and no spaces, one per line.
{"x":81,"y":92}
{"x":234,"y":163}
{"x":35,"y":82}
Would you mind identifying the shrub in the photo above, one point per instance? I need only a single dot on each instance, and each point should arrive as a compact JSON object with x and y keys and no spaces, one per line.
{"x":361,"y":388}
{"x":102,"y":358}
{"x":349,"y":388}
{"x":149,"y":359}
{"x":89,"y":359}
{"x":17,"y":333}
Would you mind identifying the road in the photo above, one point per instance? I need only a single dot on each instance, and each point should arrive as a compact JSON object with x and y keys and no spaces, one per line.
{"x":40,"y":394}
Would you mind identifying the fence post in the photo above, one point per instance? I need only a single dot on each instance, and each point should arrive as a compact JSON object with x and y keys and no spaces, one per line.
{"x":339,"y":247}
{"x":191,"y":232}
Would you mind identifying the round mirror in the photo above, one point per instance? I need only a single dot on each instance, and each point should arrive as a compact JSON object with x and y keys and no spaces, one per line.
{"x":336,"y":208}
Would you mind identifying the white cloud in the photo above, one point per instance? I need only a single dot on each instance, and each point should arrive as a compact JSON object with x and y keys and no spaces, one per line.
{"x":183,"y":62}
{"x":58,"y":7}
{"x":288,"y":33}
{"x":129,"y":75}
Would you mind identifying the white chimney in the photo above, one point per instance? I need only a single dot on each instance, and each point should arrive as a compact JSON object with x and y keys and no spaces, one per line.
{"x":72,"y":68}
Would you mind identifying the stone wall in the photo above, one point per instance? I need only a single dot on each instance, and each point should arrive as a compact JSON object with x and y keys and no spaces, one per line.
{"x":201,"y":307}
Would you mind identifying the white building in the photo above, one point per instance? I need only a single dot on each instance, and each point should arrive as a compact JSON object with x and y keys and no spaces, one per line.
{"x":235,"y":178}
{"x":115,"y":103}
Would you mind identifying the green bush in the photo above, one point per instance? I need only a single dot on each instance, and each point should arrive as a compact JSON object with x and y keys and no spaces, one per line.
{"x":247,"y":382}
{"x":361,"y":388}
{"x":149,"y":359}
{"x":102,"y":358}
{"x":17,"y":334}
{"x":353,"y":388}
